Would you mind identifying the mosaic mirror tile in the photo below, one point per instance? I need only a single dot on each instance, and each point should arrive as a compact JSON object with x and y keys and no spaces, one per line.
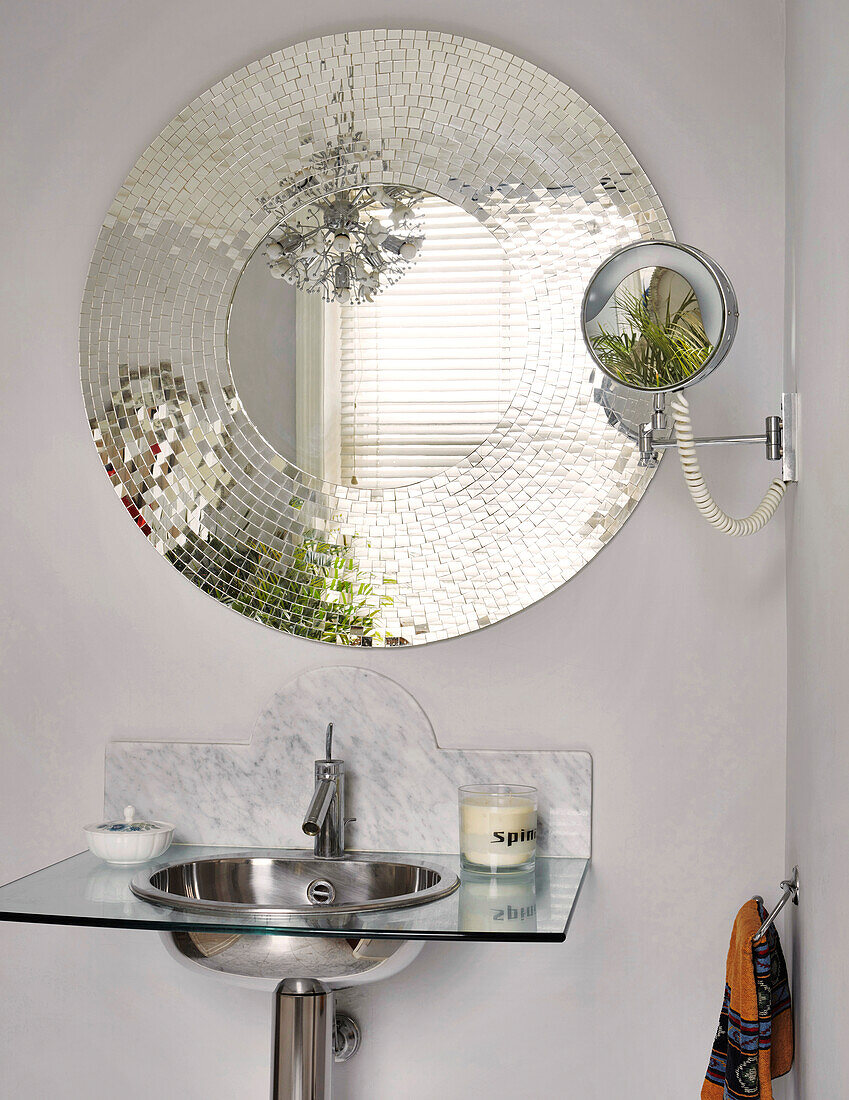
{"x":335,"y":152}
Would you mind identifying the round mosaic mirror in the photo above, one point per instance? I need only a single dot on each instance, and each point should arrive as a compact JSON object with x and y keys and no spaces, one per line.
{"x":331,"y":345}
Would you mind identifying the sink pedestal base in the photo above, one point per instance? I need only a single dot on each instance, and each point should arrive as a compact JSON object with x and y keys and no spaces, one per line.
{"x":303,"y":1040}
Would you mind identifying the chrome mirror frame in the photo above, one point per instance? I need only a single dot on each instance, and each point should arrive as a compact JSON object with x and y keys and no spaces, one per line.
{"x":704,"y":274}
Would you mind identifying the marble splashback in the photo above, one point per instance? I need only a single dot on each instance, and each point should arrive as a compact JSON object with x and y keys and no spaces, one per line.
{"x":401,"y":786}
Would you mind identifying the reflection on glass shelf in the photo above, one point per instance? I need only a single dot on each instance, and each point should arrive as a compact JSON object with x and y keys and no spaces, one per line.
{"x":498,"y":903}
{"x":83,"y":890}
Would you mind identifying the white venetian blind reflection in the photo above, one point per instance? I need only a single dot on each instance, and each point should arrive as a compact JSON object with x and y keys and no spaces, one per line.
{"x":430,"y":366}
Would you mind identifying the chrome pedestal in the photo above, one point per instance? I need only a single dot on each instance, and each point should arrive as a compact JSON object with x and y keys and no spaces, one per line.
{"x":303,"y":1040}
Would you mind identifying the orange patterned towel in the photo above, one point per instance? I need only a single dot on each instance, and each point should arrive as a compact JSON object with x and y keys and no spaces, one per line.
{"x":754,"y":1041}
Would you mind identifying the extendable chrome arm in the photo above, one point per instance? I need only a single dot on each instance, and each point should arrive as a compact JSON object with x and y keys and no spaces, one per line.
{"x":778,"y":437}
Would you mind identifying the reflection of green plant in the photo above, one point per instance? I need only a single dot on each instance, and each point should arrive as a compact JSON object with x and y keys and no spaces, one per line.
{"x":313,"y":589}
{"x":651,"y":351}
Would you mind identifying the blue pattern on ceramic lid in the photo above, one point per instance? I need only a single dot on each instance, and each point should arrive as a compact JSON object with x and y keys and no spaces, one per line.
{"x":128,"y":825}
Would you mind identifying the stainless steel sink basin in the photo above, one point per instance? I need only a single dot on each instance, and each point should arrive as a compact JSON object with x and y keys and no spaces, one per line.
{"x":268,"y":885}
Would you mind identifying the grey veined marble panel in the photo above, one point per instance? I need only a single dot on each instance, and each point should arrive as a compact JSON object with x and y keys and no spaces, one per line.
{"x":402,"y":787}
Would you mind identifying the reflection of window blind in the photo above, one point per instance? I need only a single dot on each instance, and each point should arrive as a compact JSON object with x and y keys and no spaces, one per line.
{"x":428,"y":368}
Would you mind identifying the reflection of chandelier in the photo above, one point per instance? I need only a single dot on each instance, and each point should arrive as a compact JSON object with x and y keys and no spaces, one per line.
{"x":350,"y":246}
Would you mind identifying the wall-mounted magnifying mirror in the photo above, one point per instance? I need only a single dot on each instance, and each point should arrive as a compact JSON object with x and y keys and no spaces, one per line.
{"x":659,"y":316}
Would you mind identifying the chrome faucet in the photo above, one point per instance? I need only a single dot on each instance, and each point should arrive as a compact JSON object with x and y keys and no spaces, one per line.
{"x":325,"y":818}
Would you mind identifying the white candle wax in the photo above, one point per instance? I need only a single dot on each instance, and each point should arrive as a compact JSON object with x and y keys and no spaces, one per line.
{"x":498,"y":832}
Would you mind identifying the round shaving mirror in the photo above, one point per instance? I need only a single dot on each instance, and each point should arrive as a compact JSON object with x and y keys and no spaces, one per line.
{"x":658,"y":316}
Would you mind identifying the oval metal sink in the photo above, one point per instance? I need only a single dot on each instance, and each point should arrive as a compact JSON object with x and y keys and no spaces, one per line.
{"x":267,"y":885}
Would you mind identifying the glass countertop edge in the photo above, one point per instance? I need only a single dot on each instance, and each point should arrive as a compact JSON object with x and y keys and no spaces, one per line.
{"x":365,"y":933}
{"x":439,"y":920}
{"x":576,"y":895}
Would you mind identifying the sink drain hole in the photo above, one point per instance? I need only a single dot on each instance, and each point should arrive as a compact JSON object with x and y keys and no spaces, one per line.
{"x":321,"y":892}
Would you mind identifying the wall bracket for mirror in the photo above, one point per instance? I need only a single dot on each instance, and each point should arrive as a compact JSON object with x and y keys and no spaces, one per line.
{"x":778,"y":437}
{"x":657,"y":317}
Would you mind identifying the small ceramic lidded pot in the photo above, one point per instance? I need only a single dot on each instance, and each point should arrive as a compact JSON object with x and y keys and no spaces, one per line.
{"x":129,"y":841}
{"x":498,"y":827}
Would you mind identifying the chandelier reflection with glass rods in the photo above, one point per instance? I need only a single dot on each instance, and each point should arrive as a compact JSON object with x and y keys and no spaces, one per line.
{"x":351,"y":246}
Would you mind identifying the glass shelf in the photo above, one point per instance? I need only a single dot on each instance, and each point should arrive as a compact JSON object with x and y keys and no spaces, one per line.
{"x":83,"y":890}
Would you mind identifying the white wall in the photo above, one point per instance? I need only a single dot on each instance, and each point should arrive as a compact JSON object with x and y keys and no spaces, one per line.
{"x":818,"y":537}
{"x":665,"y":658}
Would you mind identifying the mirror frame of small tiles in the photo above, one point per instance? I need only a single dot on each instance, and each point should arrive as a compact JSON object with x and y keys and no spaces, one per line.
{"x":551,"y":484}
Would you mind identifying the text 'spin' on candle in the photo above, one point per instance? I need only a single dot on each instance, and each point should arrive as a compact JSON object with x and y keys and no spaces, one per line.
{"x":498,"y":827}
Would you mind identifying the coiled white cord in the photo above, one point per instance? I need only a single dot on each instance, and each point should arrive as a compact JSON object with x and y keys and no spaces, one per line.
{"x":699,"y":490}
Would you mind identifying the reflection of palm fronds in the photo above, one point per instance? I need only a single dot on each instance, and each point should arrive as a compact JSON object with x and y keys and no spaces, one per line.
{"x":651,"y":351}
{"x":313,"y":589}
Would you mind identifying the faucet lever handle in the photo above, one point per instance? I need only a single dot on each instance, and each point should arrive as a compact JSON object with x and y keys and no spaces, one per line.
{"x":328,"y":742}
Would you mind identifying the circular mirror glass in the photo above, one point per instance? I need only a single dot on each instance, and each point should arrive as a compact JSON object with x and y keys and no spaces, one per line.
{"x":376,"y":336}
{"x":658,"y":316}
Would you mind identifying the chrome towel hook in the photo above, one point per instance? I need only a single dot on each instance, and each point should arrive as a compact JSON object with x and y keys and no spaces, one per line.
{"x":790,"y":888}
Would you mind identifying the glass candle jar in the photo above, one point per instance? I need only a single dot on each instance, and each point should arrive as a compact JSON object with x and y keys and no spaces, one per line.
{"x":498,"y":827}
